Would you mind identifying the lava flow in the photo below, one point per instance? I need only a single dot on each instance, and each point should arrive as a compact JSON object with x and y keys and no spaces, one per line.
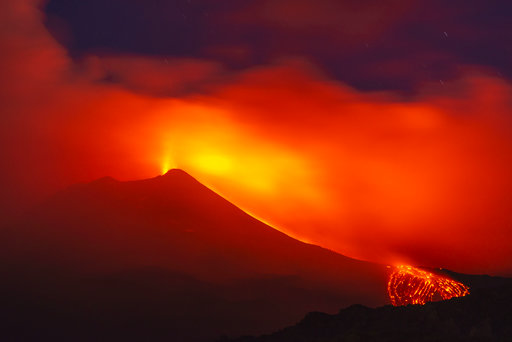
{"x":410,"y":285}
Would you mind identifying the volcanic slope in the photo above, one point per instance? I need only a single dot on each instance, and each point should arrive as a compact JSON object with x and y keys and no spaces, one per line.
{"x":164,"y":258}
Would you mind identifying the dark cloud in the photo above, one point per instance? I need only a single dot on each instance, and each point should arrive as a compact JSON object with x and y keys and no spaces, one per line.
{"x":156,"y":76}
{"x":372,"y":45}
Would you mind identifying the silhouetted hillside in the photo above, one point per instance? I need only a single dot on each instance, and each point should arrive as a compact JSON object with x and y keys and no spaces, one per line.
{"x":484,"y":315}
{"x":163,"y":259}
{"x":474,"y":281}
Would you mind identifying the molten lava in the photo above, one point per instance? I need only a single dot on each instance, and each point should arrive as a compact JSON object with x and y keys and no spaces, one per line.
{"x":409,"y":285}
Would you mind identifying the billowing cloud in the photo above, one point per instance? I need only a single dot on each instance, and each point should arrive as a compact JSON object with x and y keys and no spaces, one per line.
{"x":374,"y":175}
{"x":157,"y":76}
{"x":371,"y":45}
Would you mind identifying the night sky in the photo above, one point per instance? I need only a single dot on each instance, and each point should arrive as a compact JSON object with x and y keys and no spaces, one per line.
{"x":370,"y":45}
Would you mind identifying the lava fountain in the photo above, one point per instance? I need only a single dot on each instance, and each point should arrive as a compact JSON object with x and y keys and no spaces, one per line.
{"x":410,"y":285}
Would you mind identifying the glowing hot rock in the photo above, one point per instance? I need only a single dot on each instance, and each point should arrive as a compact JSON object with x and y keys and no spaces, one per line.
{"x":409,"y":285}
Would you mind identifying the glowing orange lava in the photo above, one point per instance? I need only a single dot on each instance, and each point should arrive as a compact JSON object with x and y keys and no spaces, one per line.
{"x":410,"y":285}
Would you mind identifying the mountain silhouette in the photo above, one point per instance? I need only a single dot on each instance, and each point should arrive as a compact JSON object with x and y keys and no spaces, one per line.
{"x":484,"y":315}
{"x":163,"y":259}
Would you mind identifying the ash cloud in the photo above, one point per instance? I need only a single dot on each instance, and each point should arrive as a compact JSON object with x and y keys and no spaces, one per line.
{"x":421,"y":177}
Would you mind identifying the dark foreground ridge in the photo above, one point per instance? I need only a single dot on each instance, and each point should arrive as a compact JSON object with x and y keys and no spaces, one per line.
{"x":167,"y":259}
{"x":485,"y":315}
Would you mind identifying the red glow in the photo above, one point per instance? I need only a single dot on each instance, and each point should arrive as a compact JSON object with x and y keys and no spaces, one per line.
{"x":369,"y":175}
{"x":409,"y":285}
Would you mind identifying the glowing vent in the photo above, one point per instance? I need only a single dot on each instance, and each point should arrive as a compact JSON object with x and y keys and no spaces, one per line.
{"x":409,"y":285}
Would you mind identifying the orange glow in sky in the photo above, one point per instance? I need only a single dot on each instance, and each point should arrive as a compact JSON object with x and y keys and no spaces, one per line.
{"x":372,"y":175}
{"x":382,"y":181}
{"x":361,"y":174}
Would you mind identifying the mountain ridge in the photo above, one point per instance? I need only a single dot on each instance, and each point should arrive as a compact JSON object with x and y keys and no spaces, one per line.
{"x":484,"y":315}
{"x":246,"y":276}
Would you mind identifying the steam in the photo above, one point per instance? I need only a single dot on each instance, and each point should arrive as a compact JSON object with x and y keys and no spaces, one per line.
{"x":422,"y":180}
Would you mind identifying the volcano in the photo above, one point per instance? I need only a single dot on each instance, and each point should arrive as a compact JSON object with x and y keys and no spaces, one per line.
{"x":164,"y":259}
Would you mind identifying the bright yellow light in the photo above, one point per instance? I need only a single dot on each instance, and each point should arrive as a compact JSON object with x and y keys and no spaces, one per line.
{"x":167,"y":164}
{"x":216,"y":164}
